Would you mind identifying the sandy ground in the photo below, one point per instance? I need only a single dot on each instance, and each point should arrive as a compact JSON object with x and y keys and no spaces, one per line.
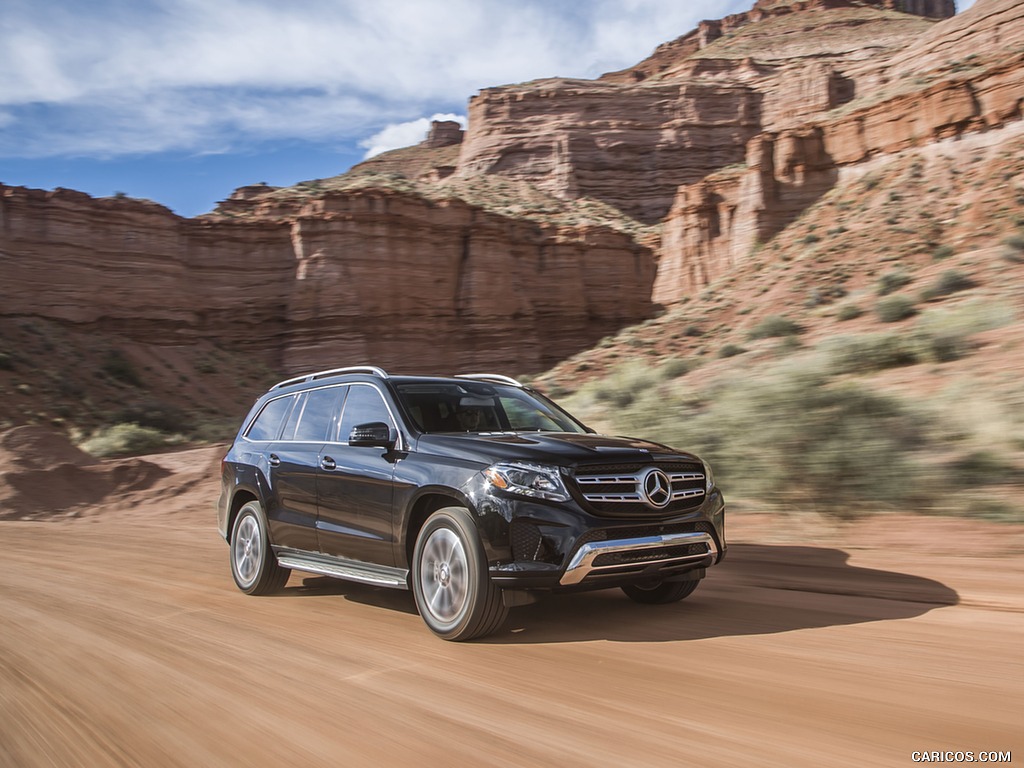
{"x":124,"y":642}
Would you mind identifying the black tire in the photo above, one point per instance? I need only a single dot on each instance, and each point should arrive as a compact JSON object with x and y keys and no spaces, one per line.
{"x":454,"y":593}
{"x":660,"y":592}
{"x":253,"y":564}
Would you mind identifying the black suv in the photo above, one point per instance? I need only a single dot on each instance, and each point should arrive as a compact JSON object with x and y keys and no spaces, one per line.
{"x":474,"y":491}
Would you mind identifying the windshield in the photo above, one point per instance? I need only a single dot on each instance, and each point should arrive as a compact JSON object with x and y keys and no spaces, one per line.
{"x":479,"y":407}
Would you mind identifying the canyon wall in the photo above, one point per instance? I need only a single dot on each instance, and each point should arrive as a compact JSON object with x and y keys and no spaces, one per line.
{"x":365,"y":276}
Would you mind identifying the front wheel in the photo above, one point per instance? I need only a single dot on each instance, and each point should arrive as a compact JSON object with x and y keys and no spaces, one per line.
{"x":660,"y":592}
{"x":253,"y":564}
{"x":454,"y":594}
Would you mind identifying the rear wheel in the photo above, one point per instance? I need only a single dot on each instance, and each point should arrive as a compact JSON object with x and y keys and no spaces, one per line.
{"x":660,"y":592}
{"x":253,"y":564}
{"x":454,"y":594}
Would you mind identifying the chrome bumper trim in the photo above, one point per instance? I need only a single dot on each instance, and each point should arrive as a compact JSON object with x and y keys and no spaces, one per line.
{"x":582,"y":563}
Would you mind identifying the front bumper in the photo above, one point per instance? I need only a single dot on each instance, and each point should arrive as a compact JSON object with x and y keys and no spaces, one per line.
{"x":572,"y":549}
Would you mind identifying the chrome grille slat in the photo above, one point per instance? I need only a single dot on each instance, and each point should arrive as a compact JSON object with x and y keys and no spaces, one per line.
{"x":619,"y":489}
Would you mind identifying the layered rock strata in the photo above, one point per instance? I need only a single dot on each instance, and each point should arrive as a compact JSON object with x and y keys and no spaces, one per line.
{"x":365,"y":276}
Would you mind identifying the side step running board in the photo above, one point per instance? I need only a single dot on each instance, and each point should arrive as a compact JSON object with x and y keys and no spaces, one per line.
{"x":339,"y":568}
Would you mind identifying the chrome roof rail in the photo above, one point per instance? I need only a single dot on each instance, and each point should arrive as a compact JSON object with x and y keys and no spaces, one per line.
{"x":496,"y":377}
{"x":372,"y":369}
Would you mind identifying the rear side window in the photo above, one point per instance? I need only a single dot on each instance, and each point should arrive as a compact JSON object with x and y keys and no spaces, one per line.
{"x":267,"y":425}
{"x":319,"y":409}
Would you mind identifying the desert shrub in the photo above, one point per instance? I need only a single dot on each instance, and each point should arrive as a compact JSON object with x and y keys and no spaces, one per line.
{"x":983,"y":468}
{"x":774,"y":325}
{"x":155,"y":414}
{"x":624,"y":384}
{"x":120,"y":368}
{"x":797,"y":440}
{"x":6,"y":362}
{"x":944,"y":334}
{"x":892,"y":309}
{"x":126,"y":440}
{"x":950,"y":281}
{"x":869,"y":352}
{"x":849,"y":312}
{"x":943,"y":252}
{"x":731,"y":350}
{"x":892,"y":281}
{"x":674,"y":367}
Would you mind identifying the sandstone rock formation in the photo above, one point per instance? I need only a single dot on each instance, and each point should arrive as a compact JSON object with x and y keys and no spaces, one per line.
{"x":348,"y":277}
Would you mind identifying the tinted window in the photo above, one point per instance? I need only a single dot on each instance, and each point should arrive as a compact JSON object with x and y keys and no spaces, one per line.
{"x":267,"y":425}
{"x":476,"y":407}
{"x":318,"y":413}
{"x":364,"y":405}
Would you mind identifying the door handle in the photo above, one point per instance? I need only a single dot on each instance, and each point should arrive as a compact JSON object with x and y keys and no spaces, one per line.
{"x":275,"y":460}
{"x":327,"y":463}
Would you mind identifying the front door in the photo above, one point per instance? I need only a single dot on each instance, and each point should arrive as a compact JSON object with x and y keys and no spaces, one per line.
{"x":355,"y":486}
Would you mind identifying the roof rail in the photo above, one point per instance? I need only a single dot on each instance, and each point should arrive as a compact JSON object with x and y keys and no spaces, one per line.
{"x":496,"y":377}
{"x":333,"y":372}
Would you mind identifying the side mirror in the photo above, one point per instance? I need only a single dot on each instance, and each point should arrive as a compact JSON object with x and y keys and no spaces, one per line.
{"x":376,"y":434}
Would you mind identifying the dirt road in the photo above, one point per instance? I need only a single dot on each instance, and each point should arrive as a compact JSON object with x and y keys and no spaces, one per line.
{"x":123,"y":642}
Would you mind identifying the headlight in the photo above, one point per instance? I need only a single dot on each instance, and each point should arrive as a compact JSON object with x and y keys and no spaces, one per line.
{"x":528,"y":480}
{"x":709,"y":477}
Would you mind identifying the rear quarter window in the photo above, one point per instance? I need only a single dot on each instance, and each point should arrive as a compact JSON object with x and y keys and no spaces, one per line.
{"x":267,"y":425}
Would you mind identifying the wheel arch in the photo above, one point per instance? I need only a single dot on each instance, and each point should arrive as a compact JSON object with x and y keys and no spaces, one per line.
{"x":423,"y":506}
{"x":241,"y":497}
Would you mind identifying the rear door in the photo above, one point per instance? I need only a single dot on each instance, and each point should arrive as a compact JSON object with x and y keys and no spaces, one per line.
{"x":356,"y":485}
{"x":295,"y":464}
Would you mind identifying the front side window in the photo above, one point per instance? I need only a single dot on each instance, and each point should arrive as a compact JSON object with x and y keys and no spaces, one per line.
{"x":363,"y":405}
{"x":478,"y":407}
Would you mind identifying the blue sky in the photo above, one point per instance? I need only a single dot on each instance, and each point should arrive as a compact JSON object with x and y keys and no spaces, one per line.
{"x":181,"y":101}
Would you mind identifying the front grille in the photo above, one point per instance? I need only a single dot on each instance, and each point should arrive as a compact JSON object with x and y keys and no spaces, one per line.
{"x":618,"y":489}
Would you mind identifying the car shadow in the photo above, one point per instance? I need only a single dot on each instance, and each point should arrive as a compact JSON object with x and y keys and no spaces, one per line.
{"x":305,"y":585}
{"x":758,"y":589}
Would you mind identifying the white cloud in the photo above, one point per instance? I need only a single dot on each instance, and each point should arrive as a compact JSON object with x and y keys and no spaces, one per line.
{"x":119,"y":76}
{"x":404,"y":134}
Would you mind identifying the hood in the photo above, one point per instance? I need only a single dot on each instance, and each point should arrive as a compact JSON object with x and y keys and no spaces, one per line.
{"x":561,"y":448}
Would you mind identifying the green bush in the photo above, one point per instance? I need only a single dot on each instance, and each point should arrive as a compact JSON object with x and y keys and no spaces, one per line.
{"x":625,"y":384}
{"x":798,"y":441}
{"x":118,"y":367}
{"x":849,"y":312}
{"x":943,"y":252}
{"x":731,"y":350}
{"x":892,"y":309}
{"x":674,"y":367}
{"x":774,"y":325}
{"x":126,"y":440}
{"x":155,"y":414}
{"x":868,"y":352}
{"x":892,"y":281}
{"x":951,"y":281}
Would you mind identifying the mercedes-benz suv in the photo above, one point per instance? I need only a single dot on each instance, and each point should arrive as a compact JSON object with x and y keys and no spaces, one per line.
{"x":474,"y":491}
